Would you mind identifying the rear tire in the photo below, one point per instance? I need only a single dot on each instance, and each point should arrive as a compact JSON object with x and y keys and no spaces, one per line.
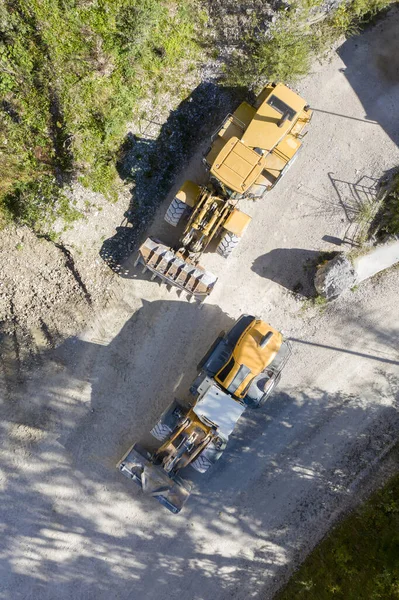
{"x":175,"y":211}
{"x":161,"y":431}
{"x":227,"y":244}
{"x":270,"y":389}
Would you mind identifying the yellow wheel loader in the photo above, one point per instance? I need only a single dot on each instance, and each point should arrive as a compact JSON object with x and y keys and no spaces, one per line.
{"x":209,"y":216}
{"x":254,"y":147}
{"x":240,"y":370}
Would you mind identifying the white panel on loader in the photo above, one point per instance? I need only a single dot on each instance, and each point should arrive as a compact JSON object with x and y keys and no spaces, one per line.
{"x":220,"y":408}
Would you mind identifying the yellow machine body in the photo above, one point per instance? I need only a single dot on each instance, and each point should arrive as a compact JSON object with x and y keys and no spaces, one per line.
{"x":256,"y":143}
{"x":249,"y":352}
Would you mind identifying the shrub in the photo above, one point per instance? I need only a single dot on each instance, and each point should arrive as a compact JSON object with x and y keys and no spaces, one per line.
{"x":72,"y":73}
{"x":285,"y":51}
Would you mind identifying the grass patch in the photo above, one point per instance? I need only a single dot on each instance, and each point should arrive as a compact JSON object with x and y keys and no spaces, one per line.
{"x":359,"y":560}
{"x":71,"y":75}
{"x":320,"y":301}
{"x":366,"y":213}
{"x":390,"y":211}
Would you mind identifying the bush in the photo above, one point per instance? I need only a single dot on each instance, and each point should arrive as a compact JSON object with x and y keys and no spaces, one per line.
{"x":72,"y":73}
{"x":359,"y":558}
{"x":38,"y":203}
{"x":390,"y":211}
{"x":286,"y":50}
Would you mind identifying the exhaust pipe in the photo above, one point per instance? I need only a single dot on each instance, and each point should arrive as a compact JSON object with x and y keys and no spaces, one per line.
{"x":283,"y":119}
{"x":266,"y":339}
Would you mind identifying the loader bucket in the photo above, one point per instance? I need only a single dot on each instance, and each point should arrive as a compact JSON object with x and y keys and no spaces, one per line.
{"x":173,"y":270}
{"x":154,"y":481}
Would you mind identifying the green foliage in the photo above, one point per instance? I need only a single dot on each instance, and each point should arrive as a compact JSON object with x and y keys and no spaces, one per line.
{"x":71,"y":73}
{"x":38,"y":203}
{"x":320,"y":301}
{"x":359,"y":559}
{"x":285,"y":52}
{"x":390,"y":217}
{"x":349,"y":16}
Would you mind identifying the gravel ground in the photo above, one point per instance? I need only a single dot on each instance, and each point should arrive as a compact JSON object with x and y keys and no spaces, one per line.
{"x":74,"y":528}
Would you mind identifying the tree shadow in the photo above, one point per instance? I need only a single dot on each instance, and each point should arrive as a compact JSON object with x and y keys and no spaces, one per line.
{"x":152,"y":163}
{"x":372,"y":69}
{"x":76,"y":528}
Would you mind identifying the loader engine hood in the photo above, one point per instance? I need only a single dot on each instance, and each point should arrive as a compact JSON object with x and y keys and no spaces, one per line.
{"x":237,"y":166}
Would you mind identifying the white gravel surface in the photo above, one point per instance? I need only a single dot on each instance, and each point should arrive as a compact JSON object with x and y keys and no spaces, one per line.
{"x":74,"y":528}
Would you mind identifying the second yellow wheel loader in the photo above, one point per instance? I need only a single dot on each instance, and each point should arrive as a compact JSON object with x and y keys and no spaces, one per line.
{"x":209,"y":216}
{"x":240,"y":370}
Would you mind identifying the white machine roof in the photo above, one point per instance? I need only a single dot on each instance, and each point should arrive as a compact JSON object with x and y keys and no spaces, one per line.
{"x":220,"y":408}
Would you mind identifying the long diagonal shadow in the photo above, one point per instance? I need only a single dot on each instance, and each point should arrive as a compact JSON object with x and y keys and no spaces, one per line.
{"x":362,"y":354}
{"x":328,"y":112}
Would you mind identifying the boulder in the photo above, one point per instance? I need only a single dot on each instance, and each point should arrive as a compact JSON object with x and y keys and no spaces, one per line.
{"x":335,"y":276}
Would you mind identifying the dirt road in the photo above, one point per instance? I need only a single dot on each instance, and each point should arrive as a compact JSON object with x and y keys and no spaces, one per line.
{"x":74,"y":528}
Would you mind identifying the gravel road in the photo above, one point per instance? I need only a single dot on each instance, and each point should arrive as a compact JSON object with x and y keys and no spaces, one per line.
{"x":74,"y":528}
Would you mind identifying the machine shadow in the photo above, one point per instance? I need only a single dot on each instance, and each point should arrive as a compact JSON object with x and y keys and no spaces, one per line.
{"x":271,"y":453}
{"x":152,"y":164}
{"x":142,"y":380}
{"x":292,"y":268}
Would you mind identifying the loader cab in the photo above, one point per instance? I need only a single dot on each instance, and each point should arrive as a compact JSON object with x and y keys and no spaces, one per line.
{"x":242,"y":358}
{"x":218,"y":408}
{"x":254,"y":350}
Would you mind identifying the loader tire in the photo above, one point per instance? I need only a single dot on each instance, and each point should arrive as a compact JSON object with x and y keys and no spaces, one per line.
{"x":161,"y":432}
{"x":201,"y":464}
{"x":269,"y":391}
{"x":175,"y":212}
{"x":227,"y":244}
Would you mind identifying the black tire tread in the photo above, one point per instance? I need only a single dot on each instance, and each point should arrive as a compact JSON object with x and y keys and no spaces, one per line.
{"x":161,"y":431}
{"x":175,"y":212}
{"x":201,"y":463}
{"x":227,"y":244}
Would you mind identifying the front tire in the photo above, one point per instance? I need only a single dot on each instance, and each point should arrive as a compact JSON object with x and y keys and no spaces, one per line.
{"x":201,"y":464}
{"x":161,"y":431}
{"x":175,"y":211}
{"x":227,"y":244}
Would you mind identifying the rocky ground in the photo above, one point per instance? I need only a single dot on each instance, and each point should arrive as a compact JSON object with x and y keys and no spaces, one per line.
{"x":76,"y":399}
